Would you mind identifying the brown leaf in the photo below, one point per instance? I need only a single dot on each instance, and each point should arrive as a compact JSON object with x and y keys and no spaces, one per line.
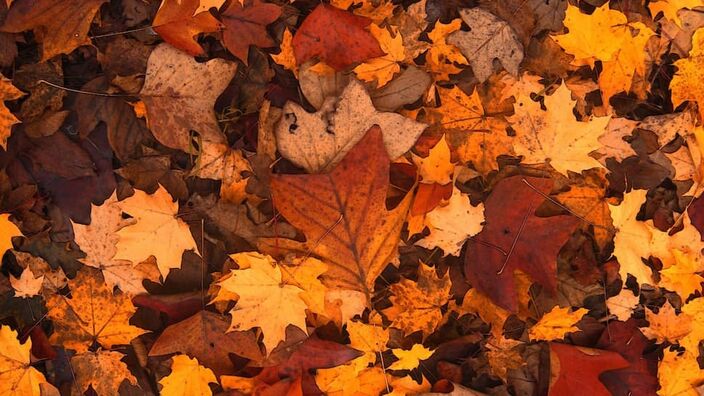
{"x":245,"y":25}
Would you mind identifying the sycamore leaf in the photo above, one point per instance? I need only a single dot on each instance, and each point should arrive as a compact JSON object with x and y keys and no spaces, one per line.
{"x":7,"y":119}
{"x":27,"y":285}
{"x":416,"y":305}
{"x":489,"y":38}
{"x":318,"y":141}
{"x":337,"y":37}
{"x":666,"y":325}
{"x":103,"y":371}
{"x":179,"y":94}
{"x":92,"y":314}
{"x":99,"y":241}
{"x":554,"y":136}
{"x":555,"y":324}
{"x":156,"y":231}
{"x":245,"y":25}
{"x":60,"y":26}
{"x":17,"y":376}
{"x":260,"y":287}
{"x":177,"y":23}
{"x":187,"y":378}
{"x":685,"y":85}
{"x":410,"y":359}
{"x":623,"y":304}
{"x":8,"y":230}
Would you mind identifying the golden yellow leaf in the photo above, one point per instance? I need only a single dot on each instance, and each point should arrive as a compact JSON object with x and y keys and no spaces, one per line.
{"x":679,"y":374}
{"x":556,"y":323}
{"x":666,"y":325}
{"x":351,"y":379}
{"x":260,"y":288}
{"x":7,"y":119}
{"x":157,"y":231}
{"x":187,"y":378}
{"x":554,"y":136}
{"x":441,"y":57}
{"x":26,"y":285}
{"x":669,"y":8}
{"x":286,"y":58}
{"x":383,"y":69}
{"x":8,"y":230}
{"x":633,"y":237}
{"x":416,"y":304}
{"x":17,"y":376}
{"x":682,"y":277}
{"x":376,"y":10}
{"x":102,"y":370}
{"x":686,"y":84}
{"x":368,"y":338}
{"x":437,"y":166}
{"x":407,"y":386}
{"x":410,"y":359}
{"x":92,"y":314}
{"x":411,"y":24}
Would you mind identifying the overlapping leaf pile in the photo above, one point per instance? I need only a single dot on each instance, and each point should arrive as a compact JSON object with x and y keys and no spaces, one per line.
{"x":351,"y":197}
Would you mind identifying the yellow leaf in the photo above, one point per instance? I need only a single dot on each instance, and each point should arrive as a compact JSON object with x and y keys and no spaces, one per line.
{"x":8,"y":230}
{"x":669,"y":8}
{"x":417,"y":303}
{"x":628,"y":62}
{"x":408,"y":386}
{"x":187,"y":378}
{"x":286,"y":58}
{"x":679,"y":374}
{"x":157,"y":231}
{"x":91,"y":314}
{"x":17,"y":376}
{"x":437,"y":166}
{"x":26,"y":285}
{"x":351,"y":379}
{"x":102,"y":370}
{"x":382,"y":69}
{"x":7,"y":119}
{"x":686,"y":84}
{"x":682,"y":277}
{"x":556,"y":323}
{"x":633,"y":237}
{"x":441,"y":57}
{"x":666,"y":325}
{"x":554,"y":136}
{"x":260,"y":288}
{"x":410,"y":359}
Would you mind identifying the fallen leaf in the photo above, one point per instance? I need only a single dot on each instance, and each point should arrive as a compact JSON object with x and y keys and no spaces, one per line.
{"x":573,"y":367}
{"x":178,"y":23}
{"x":666,"y":325}
{"x":187,"y":378}
{"x":27,"y":286}
{"x":245,"y":25}
{"x":410,"y":359}
{"x":623,"y":304}
{"x":7,"y":119}
{"x":555,"y":324}
{"x":17,"y":376}
{"x":103,"y":371}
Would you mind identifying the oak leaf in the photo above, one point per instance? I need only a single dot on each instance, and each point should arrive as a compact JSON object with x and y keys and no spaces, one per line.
{"x":92,"y":314}
{"x":337,"y":37}
{"x":17,"y":376}
{"x":573,"y":367}
{"x":179,"y":94}
{"x":489,"y":38}
{"x":103,"y":371}
{"x":177,"y":23}
{"x":343,"y":216}
{"x":514,"y":238}
{"x":410,"y":359}
{"x":555,"y":324}
{"x":554,"y":136}
{"x":61,"y":26}
{"x":318,"y":141}
{"x":187,"y":378}
{"x":7,"y":119}
{"x":245,"y":25}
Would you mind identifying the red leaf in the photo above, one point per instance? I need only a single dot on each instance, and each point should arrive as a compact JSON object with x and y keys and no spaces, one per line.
{"x":429,"y":196}
{"x":514,"y":238}
{"x":246,"y":25}
{"x":574,"y":368}
{"x":336,"y":37}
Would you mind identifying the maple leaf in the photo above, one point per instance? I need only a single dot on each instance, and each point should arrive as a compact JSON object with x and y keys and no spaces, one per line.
{"x":187,"y":378}
{"x":682,"y":277}
{"x":684,"y":84}
{"x":514,"y":238}
{"x":382,"y":69}
{"x":61,"y":26}
{"x":203,"y":336}
{"x":220,"y":162}
{"x":670,"y":8}
{"x":336,"y":37}
{"x":442,"y":56}
{"x":27,"y":285}
{"x":411,"y":24}
{"x":633,"y":237}
{"x":579,"y":368}
{"x":352,"y":379}
{"x":623,"y":304}
{"x":99,"y":241}
{"x":555,"y":324}
{"x":554,"y":135}
{"x":679,"y":374}
{"x":245,"y":25}
{"x":92,"y":314}
{"x":177,"y":23}
{"x":54,"y":279}
{"x":343,"y":216}
{"x":666,"y":325}
{"x":8,"y":230}
{"x":179,"y":94}
{"x":17,"y":376}
{"x":260,"y":286}
{"x":410,"y":359}
{"x":156,"y":231}
{"x":337,"y":127}
{"x":7,"y":119}
{"x":437,"y":167}
{"x":286,"y":57}
{"x":489,"y":38}
{"x":103,"y":371}
{"x":416,"y":305}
